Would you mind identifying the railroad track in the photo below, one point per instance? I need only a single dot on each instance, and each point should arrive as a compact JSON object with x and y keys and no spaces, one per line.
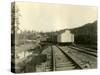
{"x":84,"y":50}
{"x":88,"y":49}
{"x":62,"y":61}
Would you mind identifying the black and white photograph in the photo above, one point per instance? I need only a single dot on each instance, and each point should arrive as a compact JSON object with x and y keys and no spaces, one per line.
{"x":49,"y":37}
{"x":53,"y":37}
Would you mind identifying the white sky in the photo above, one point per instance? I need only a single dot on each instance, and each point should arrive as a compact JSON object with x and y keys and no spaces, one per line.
{"x":51,"y":17}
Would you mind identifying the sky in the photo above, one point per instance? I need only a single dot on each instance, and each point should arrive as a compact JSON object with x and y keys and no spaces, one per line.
{"x":52,"y":17}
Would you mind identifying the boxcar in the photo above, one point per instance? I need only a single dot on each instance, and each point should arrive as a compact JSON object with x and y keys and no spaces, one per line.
{"x":65,"y":37}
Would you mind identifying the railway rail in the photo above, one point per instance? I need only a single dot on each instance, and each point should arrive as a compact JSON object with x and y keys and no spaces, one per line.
{"x":84,"y":50}
{"x":62,"y":60}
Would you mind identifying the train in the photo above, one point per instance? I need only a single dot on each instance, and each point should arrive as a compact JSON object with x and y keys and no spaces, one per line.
{"x":61,"y":37}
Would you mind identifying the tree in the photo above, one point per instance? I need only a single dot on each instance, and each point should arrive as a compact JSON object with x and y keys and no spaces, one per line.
{"x":14,"y":18}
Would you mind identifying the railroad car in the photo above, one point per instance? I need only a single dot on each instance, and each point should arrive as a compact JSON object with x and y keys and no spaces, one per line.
{"x":65,"y":37}
{"x":43,"y":39}
{"x":52,"y":39}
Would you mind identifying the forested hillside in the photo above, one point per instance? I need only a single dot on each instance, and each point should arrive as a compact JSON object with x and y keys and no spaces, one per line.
{"x":87,"y":34}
